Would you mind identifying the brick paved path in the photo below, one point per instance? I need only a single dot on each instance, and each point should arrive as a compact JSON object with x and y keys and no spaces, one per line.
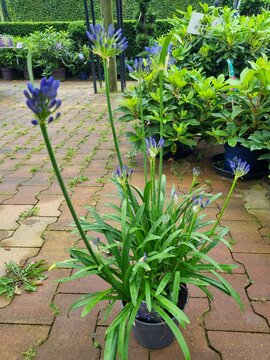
{"x":83,"y":146}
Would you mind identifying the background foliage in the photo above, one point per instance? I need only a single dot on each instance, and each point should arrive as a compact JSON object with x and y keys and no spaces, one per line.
{"x":76,"y":30}
{"x":23,"y":10}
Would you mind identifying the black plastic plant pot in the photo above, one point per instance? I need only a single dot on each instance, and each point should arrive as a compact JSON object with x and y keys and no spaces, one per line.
{"x":59,"y":74}
{"x":245,"y":154}
{"x":157,"y":335}
{"x":182,"y":151}
{"x":153,"y":335}
{"x":7,"y":74}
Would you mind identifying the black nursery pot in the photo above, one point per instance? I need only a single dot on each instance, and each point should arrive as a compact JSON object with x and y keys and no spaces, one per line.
{"x":7,"y":74}
{"x":59,"y":74}
{"x":158,"y":335}
{"x":182,"y":152}
{"x":245,"y":154}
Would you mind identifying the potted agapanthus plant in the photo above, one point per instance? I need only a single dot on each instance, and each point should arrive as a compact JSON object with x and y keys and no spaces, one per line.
{"x":157,"y":247}
{"x":243,"y":126}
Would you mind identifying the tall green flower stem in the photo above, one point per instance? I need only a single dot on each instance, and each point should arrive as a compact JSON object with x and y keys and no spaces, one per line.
{"x":116,"y":144}
{"x":107,"y":89}
{"x":98,"y":262}
{"x":224,"y":205}
{"x":143,"y":132}
{"x":160,"y":133}
{"x":153,"y":179}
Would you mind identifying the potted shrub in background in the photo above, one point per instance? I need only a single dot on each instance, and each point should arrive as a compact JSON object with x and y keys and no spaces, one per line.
{"x":243,"y":125}
{"x":158,"y":247}
{"x":81,"y":63}
{"x":52,"y":51}
{"x":20,"y":53}
{"x":7,"y":60}
{"x":221,"y":36}
{"x":189,"y":99}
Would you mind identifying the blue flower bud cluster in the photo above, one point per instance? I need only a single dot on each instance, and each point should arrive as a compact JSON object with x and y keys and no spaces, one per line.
{"x":108,"y":43}
{"x":123,"y":174}
{"x":155,"y":50}
{"x":152,"y":147}
{"x":198,"y":203}
{"x":42,"y":101}
{"x":141,"y":68}
{"x":239,"y":167}
{"x":140,"y":65}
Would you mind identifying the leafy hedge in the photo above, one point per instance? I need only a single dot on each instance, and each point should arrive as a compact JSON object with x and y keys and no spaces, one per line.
{"x":70,"y":10}
{"x":26,"y":28}
{"x":77,"y":31}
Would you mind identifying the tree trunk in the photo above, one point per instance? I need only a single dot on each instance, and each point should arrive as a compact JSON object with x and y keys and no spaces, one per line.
{"x":107,"y":14}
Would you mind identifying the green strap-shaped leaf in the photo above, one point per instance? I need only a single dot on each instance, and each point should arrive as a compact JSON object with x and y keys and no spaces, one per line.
{"x":123,"y":314}
{"x":166,"y":278}
{"x":164,"y":51}
{"x":232,"y":292}
{"x":173,"y":309}
{"x":93,"y":301}
{"x":111,"y":345}
{"x":148,"y":295}
{"x":176,"y":286}
{"x":175,"y":330}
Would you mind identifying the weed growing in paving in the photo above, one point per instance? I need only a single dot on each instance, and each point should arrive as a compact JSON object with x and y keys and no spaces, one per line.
{"x":29,"y":213}
{"x":17,"y":276}
{"x":32,"y":351}
{"x":77,"y":180}
{"x":55,"y":309}
{"x":33,"y":170}
{"x":30,"y":354}
{"x":69,"y":154}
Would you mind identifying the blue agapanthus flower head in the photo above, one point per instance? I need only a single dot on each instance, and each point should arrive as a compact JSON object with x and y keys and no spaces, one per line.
{"x":43,"y":100}
{"x":239,"y":167}
{"x":198,"y":203}
{"x":106,"y":43}
{"x":155,"y":50}
{"x":153,"y":147}
{"x":140,"y":69}
{"x":123,"y":175}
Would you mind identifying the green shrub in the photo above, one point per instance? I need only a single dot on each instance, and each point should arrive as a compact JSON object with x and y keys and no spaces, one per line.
{"x":77,"y":30}
{"x":26,"y":28}
{"x":49,"y":10}
{"x":250,"y":7}
{"x":70,"y":10}
{"x":242,"y":39}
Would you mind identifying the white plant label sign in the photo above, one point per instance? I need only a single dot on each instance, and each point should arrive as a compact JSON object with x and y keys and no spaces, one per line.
{"x":195,"y":23}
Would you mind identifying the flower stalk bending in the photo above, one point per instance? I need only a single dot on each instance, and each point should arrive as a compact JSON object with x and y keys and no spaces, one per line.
{"x":107,"y":89}
{"x":42,"y":102}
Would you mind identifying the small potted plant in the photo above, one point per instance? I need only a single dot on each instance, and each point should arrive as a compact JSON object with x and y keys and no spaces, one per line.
{"x":189,"y":99}
{"x":20,"y":53}
{"x":81,"y":62}
{"x":7,"y":58}
{"x":53,"y":52}
{"x":157,"y":247}
{"x":243,"y":125}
